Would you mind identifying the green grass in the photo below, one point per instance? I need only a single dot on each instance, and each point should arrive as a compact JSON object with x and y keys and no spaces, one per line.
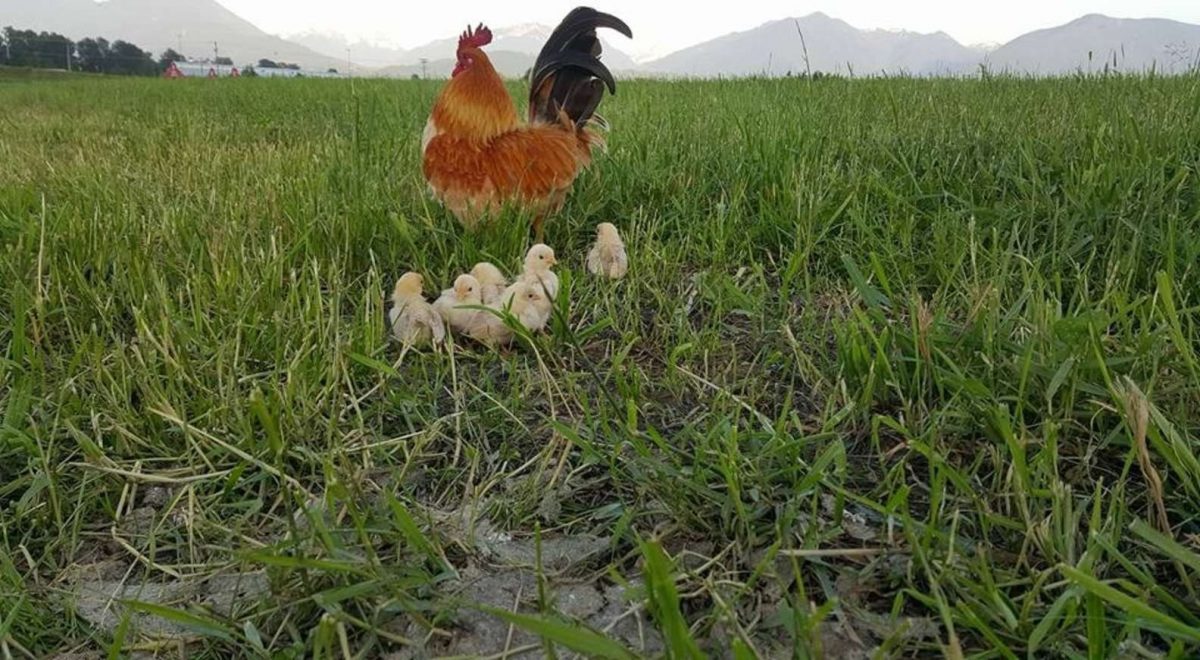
{"x":26,"y":74}
{"x":897,"y":360}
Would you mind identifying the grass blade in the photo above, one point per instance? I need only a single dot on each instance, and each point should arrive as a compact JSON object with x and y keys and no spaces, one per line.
{"x":202,"y":625}
{"x":574,"y":637}
{"x":1168,"y":546}
{"x":664,"y":603}
{"x":1132,"y":606}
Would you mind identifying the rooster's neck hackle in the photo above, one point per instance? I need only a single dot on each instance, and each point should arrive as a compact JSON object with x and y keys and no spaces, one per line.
{"x":475,"y":104}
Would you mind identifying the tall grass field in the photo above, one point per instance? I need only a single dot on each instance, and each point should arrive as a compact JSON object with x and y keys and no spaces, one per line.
{"x":902,"y":368}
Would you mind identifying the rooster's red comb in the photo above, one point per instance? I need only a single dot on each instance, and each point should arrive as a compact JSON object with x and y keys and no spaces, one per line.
{"x":474,"y":38}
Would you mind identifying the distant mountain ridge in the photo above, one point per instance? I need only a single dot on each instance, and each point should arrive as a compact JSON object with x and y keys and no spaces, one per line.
{"x":816,"y":42}
{"x":190,"y":26}
{"x":512,"y":51}
{"x":1093,"y":42}
{"x":834,"y":46}
{"x":362,"y":53}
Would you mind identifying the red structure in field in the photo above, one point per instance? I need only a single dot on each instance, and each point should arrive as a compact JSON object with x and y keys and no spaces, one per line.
{"x":172,"y":71}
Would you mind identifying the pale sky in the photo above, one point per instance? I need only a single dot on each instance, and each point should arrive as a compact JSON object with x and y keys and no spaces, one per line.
{"x":661,"y":27}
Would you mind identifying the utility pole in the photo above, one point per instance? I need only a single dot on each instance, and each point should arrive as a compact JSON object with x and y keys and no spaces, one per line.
{"x":216,"y":54}
{"x":424,"y":61}
{"x":349,"y":64}
{"x":69,"y":46}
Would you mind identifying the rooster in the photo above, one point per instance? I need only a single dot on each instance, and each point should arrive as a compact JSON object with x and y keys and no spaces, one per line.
{"x":477,"y":155}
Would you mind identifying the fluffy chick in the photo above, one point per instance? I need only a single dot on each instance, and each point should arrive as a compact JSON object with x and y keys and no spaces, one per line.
{"x":607,"y":257}
{"x":464,"y":292}
{"x":489,"y":329}
{"x":491,"y":282}
{"x":527,"y":302}
{"x":538,"y":262}
{"x":412,"y":319}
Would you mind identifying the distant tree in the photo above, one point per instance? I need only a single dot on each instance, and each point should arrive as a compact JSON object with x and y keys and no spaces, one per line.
{"x":267,"y":64}
{"x":224,"y":60}
{"x":249,"y":72}
{"x":170,"y":55}
{"x":331,"y":70}
{"x":16,"y":46}
{"x":43,"y":50}
{"x":54,"y":50}
{"x":93,"y":54}
{"x":416,"y":76}
{"x":50,"y":50}
{"x":128,"y":59}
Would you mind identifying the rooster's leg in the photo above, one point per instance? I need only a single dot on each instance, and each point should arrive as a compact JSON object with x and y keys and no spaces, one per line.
{"x":538,"y":223}
{"x":551,"y":206}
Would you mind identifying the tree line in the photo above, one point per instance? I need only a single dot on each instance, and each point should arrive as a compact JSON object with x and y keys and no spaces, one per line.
{"x":50,"y":50}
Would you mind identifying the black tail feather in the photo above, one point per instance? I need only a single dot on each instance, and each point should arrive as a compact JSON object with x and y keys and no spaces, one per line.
{"x":568,"y":75}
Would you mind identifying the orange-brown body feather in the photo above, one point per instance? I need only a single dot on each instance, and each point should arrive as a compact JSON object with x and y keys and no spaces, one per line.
{"x":478,"y":155}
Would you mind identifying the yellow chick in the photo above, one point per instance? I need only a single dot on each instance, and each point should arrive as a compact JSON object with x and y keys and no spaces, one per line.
{"x":412,"y":319}
{"x":491,"y":282}
{"x":538,"y":262}
{"x":607,"y":257}
{"x":529,"y":304}
{"x":525,"y":301}
{"x":464,"y":292}
{"x":487,"y":328}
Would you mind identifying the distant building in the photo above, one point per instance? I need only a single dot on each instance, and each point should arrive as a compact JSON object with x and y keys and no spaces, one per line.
{"x":199,"y":70}
{"x":273,"y":72}
{"x":211,"y":70}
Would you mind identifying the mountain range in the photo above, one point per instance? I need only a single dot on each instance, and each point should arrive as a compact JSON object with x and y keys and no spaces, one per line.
{"x":819,"y":43}
{"x":512,"y":51}
{"x":1093,"y":42}
{"x":815,"y":42}
{"x":189,"y":26}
